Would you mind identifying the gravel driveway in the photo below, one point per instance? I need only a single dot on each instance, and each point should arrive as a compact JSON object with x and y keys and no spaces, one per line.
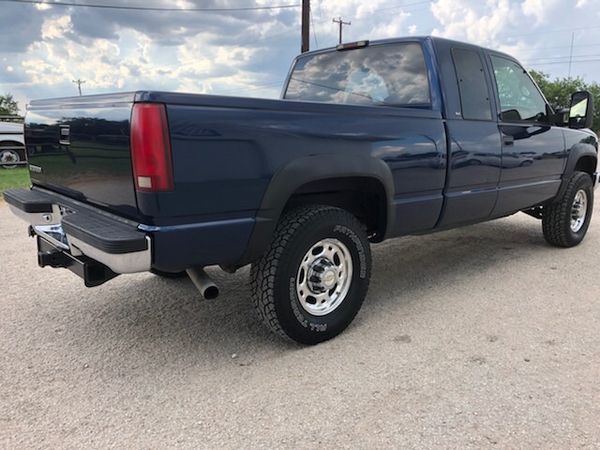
{"x":478,"y":337}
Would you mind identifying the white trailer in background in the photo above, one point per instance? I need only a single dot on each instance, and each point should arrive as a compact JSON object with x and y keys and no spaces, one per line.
{"x":12,"y":142}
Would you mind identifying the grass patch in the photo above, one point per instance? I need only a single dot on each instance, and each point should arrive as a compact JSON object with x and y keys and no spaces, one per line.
{"x":14,"y":178}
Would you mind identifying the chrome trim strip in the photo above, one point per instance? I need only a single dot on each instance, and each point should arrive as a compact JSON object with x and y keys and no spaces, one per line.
{"x":118,"y":263}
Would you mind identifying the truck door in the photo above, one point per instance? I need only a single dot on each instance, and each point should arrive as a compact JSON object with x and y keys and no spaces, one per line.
{"x":473,"y":137}
{"x":533,"y":151}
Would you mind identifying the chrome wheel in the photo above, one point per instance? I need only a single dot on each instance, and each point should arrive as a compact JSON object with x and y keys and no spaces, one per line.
{"x":8,"y":158}
{"x":324,"y":277}
{"x":578,"y":211}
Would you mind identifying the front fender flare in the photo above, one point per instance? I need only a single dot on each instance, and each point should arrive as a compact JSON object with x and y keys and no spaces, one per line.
{"x":577,"y":152}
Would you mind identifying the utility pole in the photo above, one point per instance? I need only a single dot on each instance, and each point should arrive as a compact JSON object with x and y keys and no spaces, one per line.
{"x":341,"y":23}
{"x":79,"y":82}
{"x":571,"y":53}
{"x":305,"y":26}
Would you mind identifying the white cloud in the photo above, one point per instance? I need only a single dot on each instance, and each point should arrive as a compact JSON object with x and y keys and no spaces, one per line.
{"x":42,"y":6}
{"x":471,"y":21}
{"x":56,"y":27}
{"x":540,"y":9}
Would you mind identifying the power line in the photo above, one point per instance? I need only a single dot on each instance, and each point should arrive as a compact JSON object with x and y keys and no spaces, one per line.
{"x":312,"y":24}
{"x":405,"y":5}
{"x":568,"y":46}
{"x":149,"y":8}
{"x":564,"y":57}
{"x":386,"y":8}
{"x":561,"y":62}
{"x":555,"y":30}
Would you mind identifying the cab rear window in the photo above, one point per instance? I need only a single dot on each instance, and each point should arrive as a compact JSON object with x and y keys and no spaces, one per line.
{"x":389,"y":74}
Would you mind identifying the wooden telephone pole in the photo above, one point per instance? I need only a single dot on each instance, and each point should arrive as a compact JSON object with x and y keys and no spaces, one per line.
{"x":305,"y":26}
{"x":341,"y":23}
{"x":79,"y":82}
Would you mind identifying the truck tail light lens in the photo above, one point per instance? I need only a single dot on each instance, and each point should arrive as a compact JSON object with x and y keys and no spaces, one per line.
{"x":151,"y":148}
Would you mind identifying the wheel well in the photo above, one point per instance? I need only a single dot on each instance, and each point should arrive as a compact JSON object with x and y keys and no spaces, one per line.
{"x":8,"y":143}
{"x":13,"y":145}
{"x":586,"y":164}
{"x":364,"y":197}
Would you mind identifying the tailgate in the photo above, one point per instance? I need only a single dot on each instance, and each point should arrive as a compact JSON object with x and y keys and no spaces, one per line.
{"x":80,"y":147}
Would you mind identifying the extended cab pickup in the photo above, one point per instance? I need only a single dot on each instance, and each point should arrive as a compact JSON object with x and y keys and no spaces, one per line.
{"x":370,"y":141}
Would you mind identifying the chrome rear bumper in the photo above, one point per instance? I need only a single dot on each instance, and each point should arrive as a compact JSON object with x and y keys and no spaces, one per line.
{"x":80,"y":232}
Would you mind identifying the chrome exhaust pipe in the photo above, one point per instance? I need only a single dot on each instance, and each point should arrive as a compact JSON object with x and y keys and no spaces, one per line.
{"x":208,"y":289}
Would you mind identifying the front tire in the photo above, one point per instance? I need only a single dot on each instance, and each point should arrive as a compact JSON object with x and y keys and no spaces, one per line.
{"x":565,"y":221}
{"x":312,"y":280}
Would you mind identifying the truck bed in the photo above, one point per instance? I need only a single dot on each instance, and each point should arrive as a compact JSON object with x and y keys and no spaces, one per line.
{"x":225,"y":150}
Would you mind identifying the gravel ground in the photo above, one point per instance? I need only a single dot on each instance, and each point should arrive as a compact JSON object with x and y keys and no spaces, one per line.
{"x":478,"y":337}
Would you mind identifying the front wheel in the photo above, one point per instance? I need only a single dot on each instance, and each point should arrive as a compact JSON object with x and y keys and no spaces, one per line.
{"x":312,"y":281}
{"x":565,"y":222}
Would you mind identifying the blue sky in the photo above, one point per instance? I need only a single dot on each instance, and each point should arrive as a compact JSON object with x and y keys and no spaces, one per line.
{"x":247,"y":53}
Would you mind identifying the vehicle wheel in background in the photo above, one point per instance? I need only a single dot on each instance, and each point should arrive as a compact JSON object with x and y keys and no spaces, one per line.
{"x":9,"y":158}
{"x":565,"y":221}
{"x":312,"y":280}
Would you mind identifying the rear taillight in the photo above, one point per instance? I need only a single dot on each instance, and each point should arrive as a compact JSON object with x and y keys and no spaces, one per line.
{"x":151,"y":148}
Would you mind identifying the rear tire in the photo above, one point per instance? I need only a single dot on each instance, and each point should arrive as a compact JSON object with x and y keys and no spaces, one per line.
{"x":313,"y":278}
{"x":566,"y":220}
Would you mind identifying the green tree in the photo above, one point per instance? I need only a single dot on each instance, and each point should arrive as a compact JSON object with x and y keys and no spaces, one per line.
{"x":8,"y":105}
{"x":558,"y":92}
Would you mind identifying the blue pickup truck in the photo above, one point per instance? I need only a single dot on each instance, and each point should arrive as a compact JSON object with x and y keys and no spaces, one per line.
{"x":370,"y":141}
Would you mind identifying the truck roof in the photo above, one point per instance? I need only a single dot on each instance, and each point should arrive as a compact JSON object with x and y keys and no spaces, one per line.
{"x":399,"y":39}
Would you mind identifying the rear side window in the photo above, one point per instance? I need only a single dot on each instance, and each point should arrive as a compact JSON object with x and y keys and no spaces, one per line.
{"x":390,"y":74}
{"x":472,"y":86}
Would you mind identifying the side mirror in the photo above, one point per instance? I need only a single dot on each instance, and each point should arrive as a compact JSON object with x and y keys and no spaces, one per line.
{"x":581,"y":113}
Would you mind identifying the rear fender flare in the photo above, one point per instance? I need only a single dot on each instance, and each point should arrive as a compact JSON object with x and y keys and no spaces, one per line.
{"x":305,"y":170}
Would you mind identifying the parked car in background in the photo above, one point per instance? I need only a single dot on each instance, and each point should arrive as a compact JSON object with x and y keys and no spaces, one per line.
{"x":12,"y":143}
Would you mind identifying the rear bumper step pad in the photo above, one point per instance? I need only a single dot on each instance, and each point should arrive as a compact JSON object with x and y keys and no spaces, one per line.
{"x":28,"y":200}
{"x":104,"y":233}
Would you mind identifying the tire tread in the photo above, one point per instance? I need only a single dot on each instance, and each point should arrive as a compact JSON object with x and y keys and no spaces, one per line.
{"x":263,"y":271}
{"x":556,"y":215}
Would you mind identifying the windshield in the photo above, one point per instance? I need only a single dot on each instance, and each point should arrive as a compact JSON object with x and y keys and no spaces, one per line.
{"x":390,"y":74}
